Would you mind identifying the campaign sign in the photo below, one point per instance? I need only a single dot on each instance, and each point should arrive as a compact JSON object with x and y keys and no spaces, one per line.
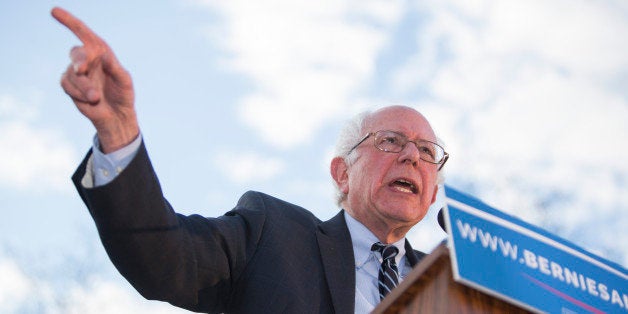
{"x":525,"y":265}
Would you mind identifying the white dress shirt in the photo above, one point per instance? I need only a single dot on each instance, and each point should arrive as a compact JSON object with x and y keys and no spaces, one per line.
{"x":367,"y":264}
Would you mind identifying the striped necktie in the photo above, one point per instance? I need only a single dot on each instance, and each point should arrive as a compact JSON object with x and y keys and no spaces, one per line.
{"x":388,"y":273}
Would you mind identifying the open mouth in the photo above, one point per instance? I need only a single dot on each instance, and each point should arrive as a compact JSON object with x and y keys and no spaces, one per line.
{"x":403,"y":185}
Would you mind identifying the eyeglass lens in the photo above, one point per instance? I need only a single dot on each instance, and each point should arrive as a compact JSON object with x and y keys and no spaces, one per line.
{"x":393,"y":142}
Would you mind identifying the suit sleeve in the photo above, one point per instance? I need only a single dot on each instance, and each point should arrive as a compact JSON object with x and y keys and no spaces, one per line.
{"x":190,"y":261}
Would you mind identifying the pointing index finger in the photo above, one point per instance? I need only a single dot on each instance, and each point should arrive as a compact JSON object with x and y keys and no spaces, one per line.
{"x":84,"y":34}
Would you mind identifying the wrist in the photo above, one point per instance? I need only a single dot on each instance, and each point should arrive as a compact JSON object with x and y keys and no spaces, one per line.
{"x":113,"y":139}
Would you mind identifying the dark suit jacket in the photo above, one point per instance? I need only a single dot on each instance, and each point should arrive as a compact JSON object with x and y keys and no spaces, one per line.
{"x":264,"y":256}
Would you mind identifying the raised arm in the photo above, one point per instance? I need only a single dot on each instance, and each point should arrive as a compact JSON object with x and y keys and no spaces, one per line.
{"x":100,"y":87}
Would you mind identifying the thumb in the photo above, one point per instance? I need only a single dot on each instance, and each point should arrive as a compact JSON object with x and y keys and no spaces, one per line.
{"x":78,"y":56}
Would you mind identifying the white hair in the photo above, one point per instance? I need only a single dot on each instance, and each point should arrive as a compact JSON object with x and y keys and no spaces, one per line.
{"x":351,"y":134}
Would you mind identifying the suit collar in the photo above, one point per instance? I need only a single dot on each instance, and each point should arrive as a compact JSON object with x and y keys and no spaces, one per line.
{"x":414,"y":257}
{"x":335,"y":246}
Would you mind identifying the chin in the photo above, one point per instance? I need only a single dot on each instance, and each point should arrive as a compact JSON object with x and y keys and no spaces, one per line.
{"x":406,"y":214}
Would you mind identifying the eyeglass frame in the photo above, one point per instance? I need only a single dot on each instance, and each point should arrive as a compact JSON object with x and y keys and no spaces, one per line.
{"x":416,"y":143}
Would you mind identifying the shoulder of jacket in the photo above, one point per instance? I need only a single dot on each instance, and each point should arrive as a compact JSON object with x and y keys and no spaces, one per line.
{"x":270,"y":204}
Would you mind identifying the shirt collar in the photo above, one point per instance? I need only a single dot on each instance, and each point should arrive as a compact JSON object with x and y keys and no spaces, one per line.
{"x":362,"y":239}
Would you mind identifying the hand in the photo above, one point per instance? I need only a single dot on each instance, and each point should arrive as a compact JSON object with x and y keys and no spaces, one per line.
{"x":100,"y":87}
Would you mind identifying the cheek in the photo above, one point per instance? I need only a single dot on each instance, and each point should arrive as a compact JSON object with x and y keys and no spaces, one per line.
{"x":364,"y":185}
{"x":431,"y":185}
{"x":353,"y":185}
{"x":367,"y":178}
{"x":430,"y":176}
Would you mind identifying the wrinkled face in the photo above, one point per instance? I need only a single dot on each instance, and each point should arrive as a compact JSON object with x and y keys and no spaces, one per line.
{"x":391,"y":190}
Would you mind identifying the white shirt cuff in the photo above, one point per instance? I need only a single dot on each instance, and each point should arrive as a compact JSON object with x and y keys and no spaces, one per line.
{"x":104,"y":168}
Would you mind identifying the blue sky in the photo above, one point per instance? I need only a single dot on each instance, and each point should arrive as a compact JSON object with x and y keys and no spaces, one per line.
{"x":530,"y":98}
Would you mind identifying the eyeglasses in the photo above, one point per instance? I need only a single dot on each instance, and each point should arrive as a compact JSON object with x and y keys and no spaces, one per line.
{"x":393,"y":142}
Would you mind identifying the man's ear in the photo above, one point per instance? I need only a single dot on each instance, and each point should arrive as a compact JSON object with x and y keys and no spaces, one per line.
{"x":339,"y":171}
{"x":435,"y":194}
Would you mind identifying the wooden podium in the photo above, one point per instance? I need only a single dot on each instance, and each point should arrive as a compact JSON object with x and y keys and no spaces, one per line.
{"x":430,"y":288}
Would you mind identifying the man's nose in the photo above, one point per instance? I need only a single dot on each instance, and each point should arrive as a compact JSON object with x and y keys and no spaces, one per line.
{"x":410,"y":153}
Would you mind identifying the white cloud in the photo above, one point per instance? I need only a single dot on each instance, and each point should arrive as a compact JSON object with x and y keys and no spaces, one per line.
{"x":525,"y":96}
{"x":10,"y":107}
{"x":16,"y":287}
{"x":580,"y":35}
{"x":485,"y":42}
{"x":21,"y":292}
{"x":306,"y":58}
{"x":31,"y":157}
{"x":104,"y":296}
{"x":248,"y":167}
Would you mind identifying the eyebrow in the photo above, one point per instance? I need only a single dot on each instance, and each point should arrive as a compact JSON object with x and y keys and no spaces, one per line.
{"x":408,"y":137}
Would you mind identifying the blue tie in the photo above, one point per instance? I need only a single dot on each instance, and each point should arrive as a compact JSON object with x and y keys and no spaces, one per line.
{"x":388,"y":273}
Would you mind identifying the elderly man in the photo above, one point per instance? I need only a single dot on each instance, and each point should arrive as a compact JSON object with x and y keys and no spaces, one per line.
{"x":265,"y":255}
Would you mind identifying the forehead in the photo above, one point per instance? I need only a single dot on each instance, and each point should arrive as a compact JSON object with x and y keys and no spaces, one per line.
{"x":401,"y":119}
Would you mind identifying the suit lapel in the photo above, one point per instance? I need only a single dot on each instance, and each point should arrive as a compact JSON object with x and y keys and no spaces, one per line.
{"x":414,"y":257}
{"x":336,"y":250}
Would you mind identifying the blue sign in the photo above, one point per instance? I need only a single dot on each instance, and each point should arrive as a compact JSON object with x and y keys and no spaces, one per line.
{"x":525,"y":265}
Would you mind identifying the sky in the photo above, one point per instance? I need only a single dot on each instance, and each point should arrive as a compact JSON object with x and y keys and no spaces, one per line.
{"x":529,"y":97}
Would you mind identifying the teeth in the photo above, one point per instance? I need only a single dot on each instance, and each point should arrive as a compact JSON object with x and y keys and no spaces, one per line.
{"x":406,"y":182}
{"x":402,"y":189}
{"x":404,"y":186}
